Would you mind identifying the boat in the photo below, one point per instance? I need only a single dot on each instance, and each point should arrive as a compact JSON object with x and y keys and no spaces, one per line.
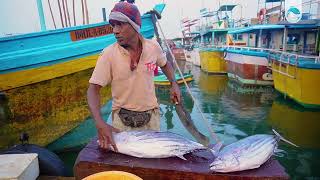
{"x":45,"y":110}
{"x":192,"y":51}
{"x":290,"y":51}
{"x":214,"y":35}
{"x":248,"y":64}
{"x":44,"y":77}
{"x":191,"y":40}
{"x":60,"y":52}
{"x":296,"y":69}
{"x":212,"y":56}
{"x":161,"y":80}
{"x":177,"y":49}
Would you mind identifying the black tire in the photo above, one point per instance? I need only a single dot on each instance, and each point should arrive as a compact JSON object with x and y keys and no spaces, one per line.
{"x":49,"y":163}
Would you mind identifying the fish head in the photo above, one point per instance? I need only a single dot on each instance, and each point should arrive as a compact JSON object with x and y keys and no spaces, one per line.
{"x":227,"y":163}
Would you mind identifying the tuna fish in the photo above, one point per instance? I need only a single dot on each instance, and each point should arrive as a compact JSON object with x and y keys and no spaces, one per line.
{"x":154,"y":144}
{"x":248,"y":153}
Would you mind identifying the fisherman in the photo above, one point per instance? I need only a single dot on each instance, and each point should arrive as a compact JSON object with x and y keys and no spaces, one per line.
{"x":128,"y":65}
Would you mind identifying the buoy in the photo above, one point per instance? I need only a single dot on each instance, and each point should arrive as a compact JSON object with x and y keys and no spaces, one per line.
{"x":262,"y":14}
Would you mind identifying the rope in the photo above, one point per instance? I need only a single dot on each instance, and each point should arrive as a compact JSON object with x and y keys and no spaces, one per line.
{"x":54,"y":22}
{"x":213,"y":135}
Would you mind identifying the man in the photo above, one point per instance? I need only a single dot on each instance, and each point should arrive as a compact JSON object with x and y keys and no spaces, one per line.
{"x":128,"y":66}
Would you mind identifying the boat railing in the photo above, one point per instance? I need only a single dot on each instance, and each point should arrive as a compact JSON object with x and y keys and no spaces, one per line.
{"x":315,"y":59}
{"x":283,"y":58}
{"x":286,"y":57}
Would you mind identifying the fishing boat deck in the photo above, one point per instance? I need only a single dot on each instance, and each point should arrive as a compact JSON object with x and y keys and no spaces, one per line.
{"x":92,"y":160}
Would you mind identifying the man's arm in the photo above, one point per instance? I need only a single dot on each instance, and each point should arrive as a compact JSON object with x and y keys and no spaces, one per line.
{"x":104,"y":130}
{"x":175,"y":94}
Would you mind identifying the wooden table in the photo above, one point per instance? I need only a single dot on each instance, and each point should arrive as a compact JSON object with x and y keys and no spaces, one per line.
{"x":92,"y":160}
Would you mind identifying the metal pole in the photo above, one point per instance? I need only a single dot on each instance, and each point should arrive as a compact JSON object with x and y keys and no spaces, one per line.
{"x":54,"y":22}
{"x":260,"y":39}
{"x":87,"y":13}
{"x":41,"y":15}
{"x":64,"y":13}
{"x":60,"y":12}
{"x":74,"y":13}
{"x":104,"y":14}
{"x":68,"y":14}
{"x":83,"y":14}
{"x":284,"y":43}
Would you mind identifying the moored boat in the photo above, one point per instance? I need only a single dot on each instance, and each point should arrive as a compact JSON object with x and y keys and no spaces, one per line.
{"x":60,"y":52}
{"x":44,"y":77}
{"x":162,"y":80}
{"x":296,"y":68}
{"x":214,"y":35}
{"x":212,"y":56}
{"x":248,"y":64}
{"x":297,"y":77}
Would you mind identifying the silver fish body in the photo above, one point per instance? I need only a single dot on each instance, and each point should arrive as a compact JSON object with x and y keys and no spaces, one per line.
{"x":248,"y":153}
{"x":154,"y":144}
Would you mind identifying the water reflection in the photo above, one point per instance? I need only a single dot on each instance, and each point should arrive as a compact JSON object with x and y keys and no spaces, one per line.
{"x":299,"y":125}
{"x":246,"y":103}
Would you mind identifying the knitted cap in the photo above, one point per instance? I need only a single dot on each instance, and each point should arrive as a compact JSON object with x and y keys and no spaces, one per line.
{"x":126,"y":12}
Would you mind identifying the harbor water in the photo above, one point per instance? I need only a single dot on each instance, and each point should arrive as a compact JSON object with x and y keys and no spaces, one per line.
{"x":234,"y":112}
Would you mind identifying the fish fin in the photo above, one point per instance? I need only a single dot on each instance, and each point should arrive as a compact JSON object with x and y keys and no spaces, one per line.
{"x":215,"y":148}
{"x":279,"y":152}
{"x":283,"y":139}
{"x":181,"y":157}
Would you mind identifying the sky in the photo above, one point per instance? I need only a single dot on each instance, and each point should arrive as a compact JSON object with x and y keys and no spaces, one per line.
{"x":21,"y":16}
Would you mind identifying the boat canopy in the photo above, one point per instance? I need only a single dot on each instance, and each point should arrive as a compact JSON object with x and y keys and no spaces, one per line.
{"x":159,"y":8}
{"x":272,"y":1}
{"x":256,"y":27}
{"x":302,"y":26}
{"x":226,"y":7}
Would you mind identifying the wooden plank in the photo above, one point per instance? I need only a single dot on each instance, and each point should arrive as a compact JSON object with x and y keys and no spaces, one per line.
{"x":92,"y":160}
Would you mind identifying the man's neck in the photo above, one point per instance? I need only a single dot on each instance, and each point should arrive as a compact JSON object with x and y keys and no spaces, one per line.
{"x":134,"y":44}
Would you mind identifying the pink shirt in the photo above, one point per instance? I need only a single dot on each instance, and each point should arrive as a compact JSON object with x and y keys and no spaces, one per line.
{"x":133,"y":90}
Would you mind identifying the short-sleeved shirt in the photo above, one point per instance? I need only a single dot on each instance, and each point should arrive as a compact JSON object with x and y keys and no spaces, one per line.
{"x":133,"y":90}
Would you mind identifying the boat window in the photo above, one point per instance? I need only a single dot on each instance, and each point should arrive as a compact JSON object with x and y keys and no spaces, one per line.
{"x":238,"y":37}
{"x":293,"y":38}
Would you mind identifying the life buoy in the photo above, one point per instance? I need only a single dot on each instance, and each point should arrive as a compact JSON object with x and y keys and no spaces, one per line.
{"x":262,"y":13}
{"x":49,"y":163}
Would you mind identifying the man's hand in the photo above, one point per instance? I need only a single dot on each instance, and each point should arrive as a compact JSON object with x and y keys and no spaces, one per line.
{"x":175,"y":94}
{"x":105,"y":136}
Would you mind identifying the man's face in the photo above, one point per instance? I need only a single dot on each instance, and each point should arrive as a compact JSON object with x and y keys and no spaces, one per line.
{"x":123,"y":32}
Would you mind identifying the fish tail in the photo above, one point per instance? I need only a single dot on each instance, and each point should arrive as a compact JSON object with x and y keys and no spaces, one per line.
{"x":283,"y":139}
